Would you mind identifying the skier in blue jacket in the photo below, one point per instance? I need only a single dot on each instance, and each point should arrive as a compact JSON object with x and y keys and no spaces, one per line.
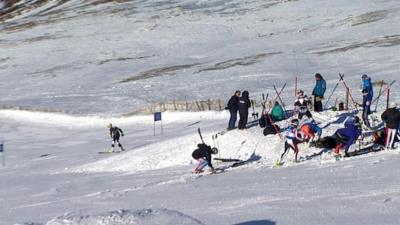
{"x":318,"y":92}
{"x":347,"y":136}
{"x":368,"y":94}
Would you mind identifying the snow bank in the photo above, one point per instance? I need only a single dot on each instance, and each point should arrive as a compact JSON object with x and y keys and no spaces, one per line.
{"x":126,"y":217}
{"x":236,"y":144}
{"x":65,"y":120}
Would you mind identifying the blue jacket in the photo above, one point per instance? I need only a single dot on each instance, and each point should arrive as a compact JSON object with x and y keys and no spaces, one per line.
{"x":351,"y":132}
{"x":315,"y":128}
{"x":320,"y":88}
{"x":367,"y":85}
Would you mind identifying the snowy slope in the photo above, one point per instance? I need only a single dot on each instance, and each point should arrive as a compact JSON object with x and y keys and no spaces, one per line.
{"x":74,"y":66}
{"x":80,"y":56}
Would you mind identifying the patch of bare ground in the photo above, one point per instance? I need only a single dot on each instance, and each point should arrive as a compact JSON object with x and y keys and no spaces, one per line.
{"x":245,"y":61}
{"x":123,"y":59}
{"x":385,"y":41}
{"x":169,"y":70}
{"x":368,"y":17}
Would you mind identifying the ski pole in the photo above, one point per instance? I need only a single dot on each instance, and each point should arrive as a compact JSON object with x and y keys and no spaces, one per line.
{"x":380,"y":93}
{"x":334,"y":89}
{"x":280,"y":92}
{"x":280,"y":99}
{"x":201,"y":137}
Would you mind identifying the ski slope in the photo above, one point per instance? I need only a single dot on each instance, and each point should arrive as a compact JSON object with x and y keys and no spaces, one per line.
{"x":69,"y":68}
{"x":58,"y":168}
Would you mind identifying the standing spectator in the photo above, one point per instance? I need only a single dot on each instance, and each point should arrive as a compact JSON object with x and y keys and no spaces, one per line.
{"x":391,"y":118}
{"x":318,"y":92}
{"x":368,"y":94}
{"x":244,"y":105}
{"x":233,"y":107}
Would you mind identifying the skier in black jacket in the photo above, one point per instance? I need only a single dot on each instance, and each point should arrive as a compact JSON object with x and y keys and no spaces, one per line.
{"x":115,"y":133}
{"x":301,"y":105}
{"x":391,"y":118}
{"x":203,"y":157}
{"x":233,"y":108}
{"x":244,"y":105}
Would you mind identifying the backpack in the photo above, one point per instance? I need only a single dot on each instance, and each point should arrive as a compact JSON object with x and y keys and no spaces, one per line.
{"x":271,"y":130}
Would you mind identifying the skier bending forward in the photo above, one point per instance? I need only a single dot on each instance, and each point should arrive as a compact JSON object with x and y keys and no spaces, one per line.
{"x":203,"y":157}
{"x":115,"y":133}
{"x":292,"y":139}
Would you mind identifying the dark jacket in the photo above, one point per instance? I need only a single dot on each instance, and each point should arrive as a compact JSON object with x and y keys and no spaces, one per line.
{"x":203,"y":151}
{"x":391,"y":117}
{"x":302,"y":103}
{"x":116,"y":132}
{"x":244,"y":102}
{"x":320,"y":88}
{"x":233,"y":103}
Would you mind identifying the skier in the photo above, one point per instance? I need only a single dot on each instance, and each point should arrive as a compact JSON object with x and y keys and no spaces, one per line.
{"x":309,"y":129}
{"x":277,"y":113}
{"x":115,"y":133}
{"x":203,"y":157}
{"x":318,"y":92}
{"x":301,"y":105}
{"x":391,"y":118}
{"x":292,"y":139}
{"x":368,"y":94}
{"x":233,"y":108}
{"x":345,"y":137}
{"x":244,"y":105}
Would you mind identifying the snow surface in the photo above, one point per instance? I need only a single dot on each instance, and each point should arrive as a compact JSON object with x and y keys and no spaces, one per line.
{"x":62,"y":64}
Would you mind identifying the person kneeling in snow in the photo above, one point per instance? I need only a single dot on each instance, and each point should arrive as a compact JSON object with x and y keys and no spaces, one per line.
{"x":309,"y":130}
{"x":347,"y":136}
{"x":292,"y":139}
{"x":203,"y":157}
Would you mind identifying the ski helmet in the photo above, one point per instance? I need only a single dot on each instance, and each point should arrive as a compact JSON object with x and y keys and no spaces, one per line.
{"x":214,"y":150}
{"x":365,"y":76}
{"x":109,"y":125}
{"x":393,"y":105}
{"x":317,"y":75}
{"x":300,"y":93}
{"x":294,"y":122}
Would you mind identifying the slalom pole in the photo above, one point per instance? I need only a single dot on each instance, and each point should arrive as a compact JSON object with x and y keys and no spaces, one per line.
{"x":351,"y":96}
{"x":295,"y":86}
{"x":380,"y":93}
{"x":384,"y":90}
{"x":3,"y":157}
{"x":387,"y":98}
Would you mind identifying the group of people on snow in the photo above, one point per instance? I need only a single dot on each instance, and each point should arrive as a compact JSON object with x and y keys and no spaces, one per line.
{"x":304,"y":128}
{"x":238,"y":102}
